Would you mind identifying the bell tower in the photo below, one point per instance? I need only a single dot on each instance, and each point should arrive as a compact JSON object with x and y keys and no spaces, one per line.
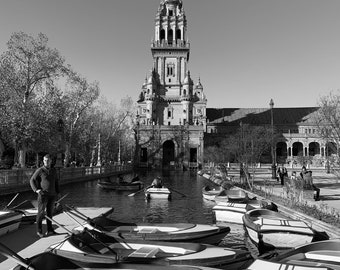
{"x":169,"y":103}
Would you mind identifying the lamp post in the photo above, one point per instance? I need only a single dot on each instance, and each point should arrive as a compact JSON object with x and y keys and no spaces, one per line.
{"x":271,"y":104}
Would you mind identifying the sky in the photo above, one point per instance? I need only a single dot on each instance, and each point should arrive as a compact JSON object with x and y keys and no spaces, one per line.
{"x":245,"y":52}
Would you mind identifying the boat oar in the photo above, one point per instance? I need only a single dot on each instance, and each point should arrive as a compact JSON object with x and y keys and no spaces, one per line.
{"x":133,"y":194}
{"x":7,"y":252}
{"x":59,"y":225}
{"x":183,"y":195}
{"x":11,"y":201}
{"x":63,"y":197}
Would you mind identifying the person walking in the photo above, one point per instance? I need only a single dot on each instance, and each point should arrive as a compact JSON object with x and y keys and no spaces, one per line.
{"x":282,"y":173}
{"x":45,"y":182}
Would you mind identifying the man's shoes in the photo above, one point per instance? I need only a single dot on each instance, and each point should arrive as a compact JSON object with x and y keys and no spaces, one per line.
{"x":49,"y":233}
{"x":40,"y":234}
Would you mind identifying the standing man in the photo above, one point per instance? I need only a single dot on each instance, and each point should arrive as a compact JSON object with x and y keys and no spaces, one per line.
{"x":45,"y":182}
{"x":282,"y":172}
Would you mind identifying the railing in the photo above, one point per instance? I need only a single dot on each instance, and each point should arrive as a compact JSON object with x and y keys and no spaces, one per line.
{"x":18,"y":179}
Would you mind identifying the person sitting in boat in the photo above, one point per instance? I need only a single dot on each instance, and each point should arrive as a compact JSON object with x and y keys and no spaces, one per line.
{"x":157,"y":182}
{"x":121,"y":179}
{"x":135,"y":178}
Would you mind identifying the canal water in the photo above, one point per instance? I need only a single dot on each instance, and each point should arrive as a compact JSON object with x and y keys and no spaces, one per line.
{"x":187,"y":204}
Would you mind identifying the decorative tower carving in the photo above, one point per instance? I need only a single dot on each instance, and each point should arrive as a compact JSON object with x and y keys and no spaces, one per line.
{"x":168,"y":98}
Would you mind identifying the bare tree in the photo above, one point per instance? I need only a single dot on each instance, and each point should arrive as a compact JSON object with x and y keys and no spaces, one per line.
{"x":328,"y":122}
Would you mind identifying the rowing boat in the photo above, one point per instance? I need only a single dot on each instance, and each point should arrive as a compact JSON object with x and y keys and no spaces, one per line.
{"x":151,"y":252}
{"x":269,"y":230}
{"x":122,"y":186}
{"x":157,"y":193}
{"x":233,"y":195}
{"x":173,"y":232}
{"x":260,"y":264}
{"x":232,"y":212}
{"x":74,"y":260}
{"x":9,"y":221}
{"x":210,"y":193}
{"x":324,"y":254}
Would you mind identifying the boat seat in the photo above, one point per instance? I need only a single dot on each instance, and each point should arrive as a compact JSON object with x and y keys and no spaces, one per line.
{"x":324,"y":255}
{"x":149,"y":230}
{"x":145,"y":252}
{"x":280,"y":222}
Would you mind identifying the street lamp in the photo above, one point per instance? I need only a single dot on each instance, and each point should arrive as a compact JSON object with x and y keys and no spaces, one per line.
{"x":271,"y":104}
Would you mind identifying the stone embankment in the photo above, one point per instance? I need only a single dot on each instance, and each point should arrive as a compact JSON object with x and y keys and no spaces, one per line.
{"x":17,"y":180}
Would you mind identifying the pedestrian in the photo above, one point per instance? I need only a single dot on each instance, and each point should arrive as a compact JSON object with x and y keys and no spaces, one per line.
{"x":282,"y":173}
{"x":45,"y":182}
{"x":303,"y":172}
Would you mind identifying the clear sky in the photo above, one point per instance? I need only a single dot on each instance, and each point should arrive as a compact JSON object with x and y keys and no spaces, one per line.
{"x":245,"y":51}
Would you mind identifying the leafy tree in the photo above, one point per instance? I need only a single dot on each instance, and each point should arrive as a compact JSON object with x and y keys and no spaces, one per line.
{"x":79,"y":96}
{"x":25,"y":67}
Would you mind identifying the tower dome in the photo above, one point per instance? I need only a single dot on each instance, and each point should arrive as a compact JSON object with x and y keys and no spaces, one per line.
{"x":187,"y":78}
{"x":199,"y":85}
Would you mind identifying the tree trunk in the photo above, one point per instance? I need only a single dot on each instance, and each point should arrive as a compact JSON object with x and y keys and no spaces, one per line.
{"x":22,"y":157}
{"x":67,"y":155}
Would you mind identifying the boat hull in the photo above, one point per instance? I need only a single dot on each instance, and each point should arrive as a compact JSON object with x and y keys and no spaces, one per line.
{"x":316,"y":254}
{"x":172,"y":232}
{"x":209,"y":193}
{"x":259,"y":264}
{"x":232,"y":212}
{"x":158,"y":193}
{"x":130,"y":186}
{"x":9,"y":221}
{"x":138,"y":185}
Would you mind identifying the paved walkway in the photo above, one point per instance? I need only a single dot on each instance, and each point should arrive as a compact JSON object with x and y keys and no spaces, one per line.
{"x":329,"y":202}
{"x":329,"y":185}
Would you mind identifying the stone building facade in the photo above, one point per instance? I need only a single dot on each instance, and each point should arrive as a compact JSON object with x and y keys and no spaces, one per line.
{"x":171,"y":110}
{"x":297,"y":140}
{"x":173,"y":120}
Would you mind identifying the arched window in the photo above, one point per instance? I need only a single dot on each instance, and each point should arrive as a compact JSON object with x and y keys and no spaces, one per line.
{"x":170,"y":36}
{"x":162,"y":35}
{"x":178,"y":34}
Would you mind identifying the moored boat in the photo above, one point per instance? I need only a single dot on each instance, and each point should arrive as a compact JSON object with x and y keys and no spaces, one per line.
{"x":157,"y":193}
{"x":28,"y":210}
{"x":233,"y":195}
{"x":107,"y":184}
{"x":232,"y":212}
{"x":260,"y":264}
{"x":9,"y":221}
{"x":74,"y":260}
{"x":173,"y":232}
{"x":324,"y":254}
{"x":269,"y":230}
{"x":155,"y":253}
{"x":206,"y":175}
{"x":209,"y":193}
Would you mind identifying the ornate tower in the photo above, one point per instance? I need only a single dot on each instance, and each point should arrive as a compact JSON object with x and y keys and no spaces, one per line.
{"x":171,"y":111}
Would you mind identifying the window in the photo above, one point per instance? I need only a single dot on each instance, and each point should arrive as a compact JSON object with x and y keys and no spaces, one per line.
{"x":171,"y":13}
{"x":171,"y":69}
{"x":162,"y":35}
{"x":169,"y":114}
